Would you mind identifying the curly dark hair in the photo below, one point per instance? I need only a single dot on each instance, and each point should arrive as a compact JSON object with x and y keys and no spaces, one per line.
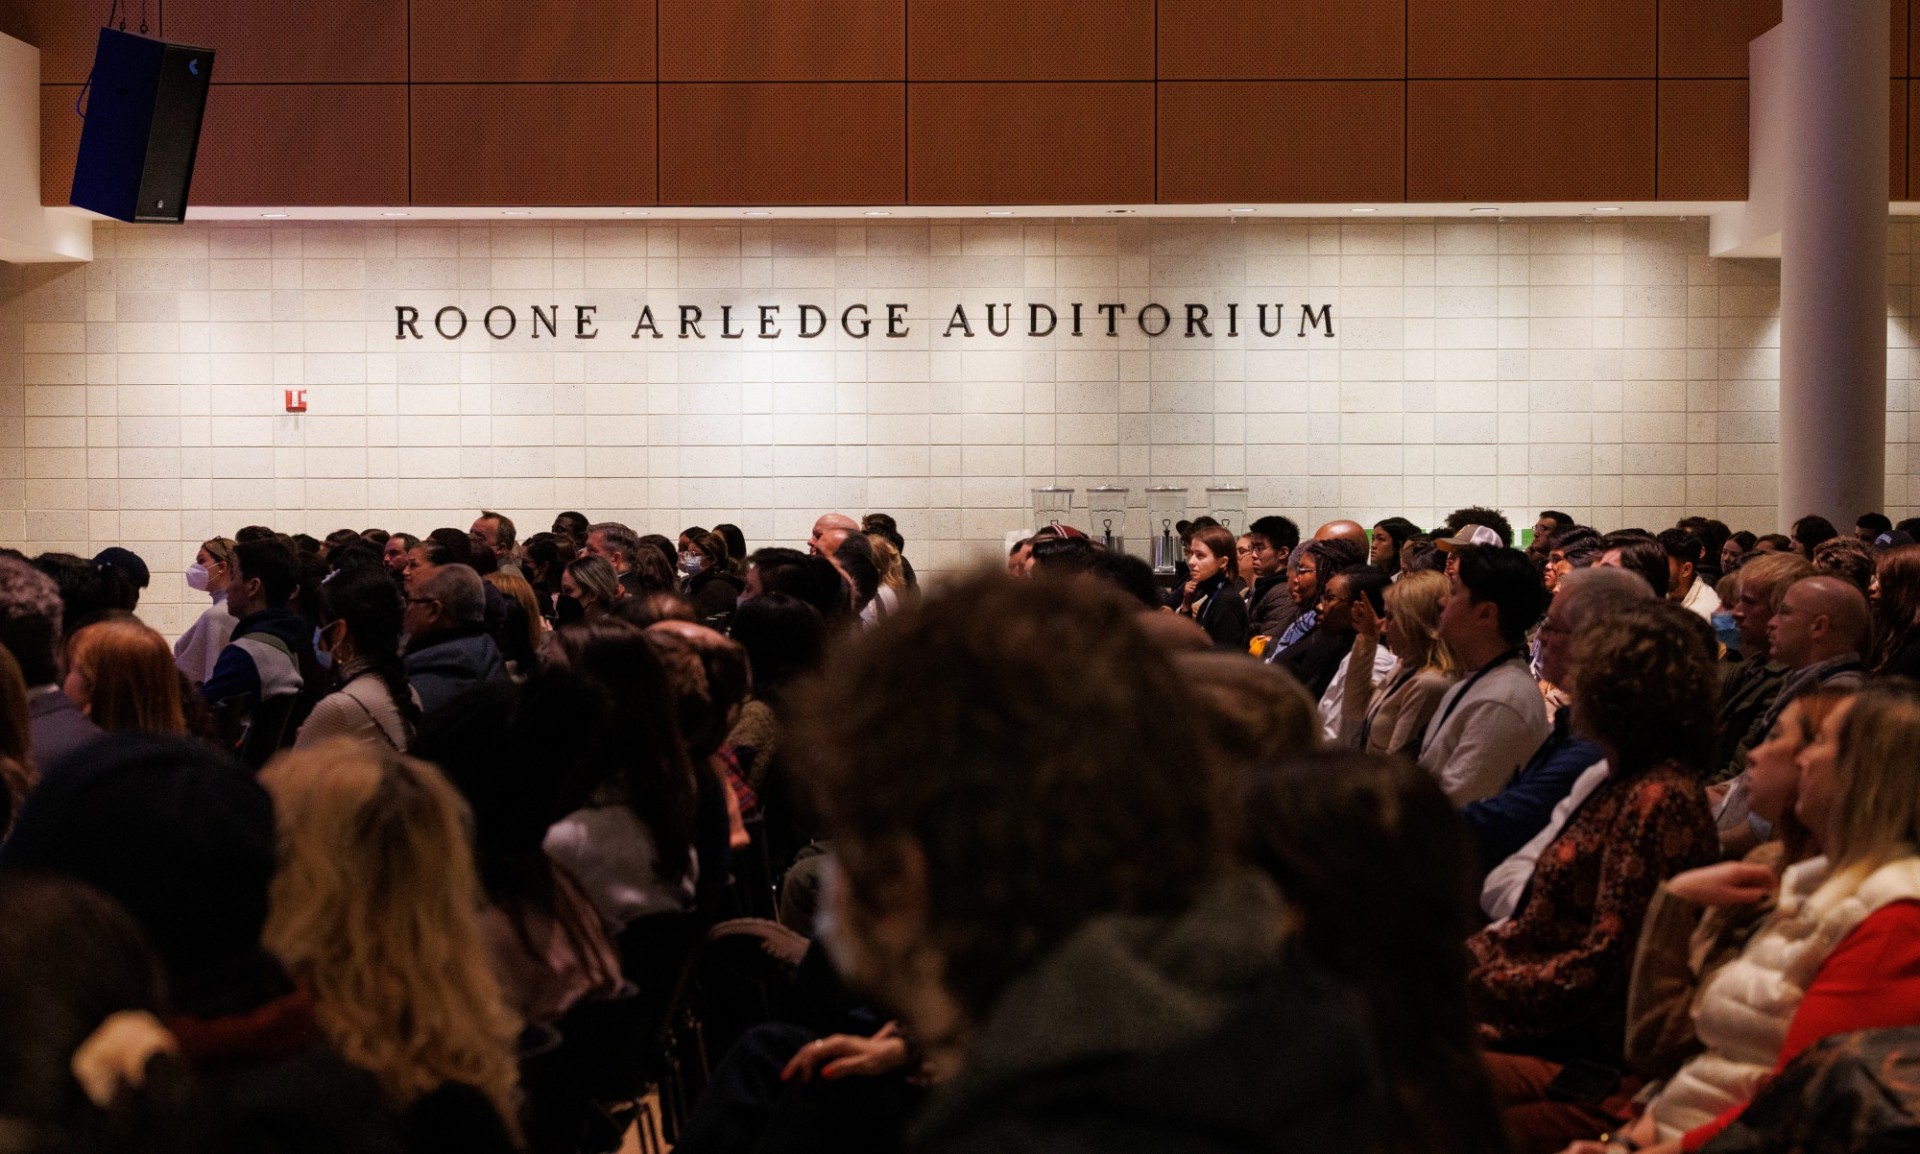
{"x":1035,"y":748}
{"x":1644,"y":686}
{"x":1481,"y":515}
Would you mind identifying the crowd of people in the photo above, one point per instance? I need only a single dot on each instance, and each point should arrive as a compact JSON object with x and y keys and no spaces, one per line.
{"x":1374,"y":839}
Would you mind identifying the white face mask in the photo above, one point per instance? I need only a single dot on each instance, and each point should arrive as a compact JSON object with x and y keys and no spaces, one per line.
{"x":690,"y":563}
{"x":197,"y":577}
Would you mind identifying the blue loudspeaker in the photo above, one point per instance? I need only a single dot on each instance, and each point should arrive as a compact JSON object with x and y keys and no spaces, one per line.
{"x":144,"y":104}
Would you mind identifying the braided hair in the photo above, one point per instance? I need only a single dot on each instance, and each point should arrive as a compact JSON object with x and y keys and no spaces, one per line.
{"x":364,"y":597}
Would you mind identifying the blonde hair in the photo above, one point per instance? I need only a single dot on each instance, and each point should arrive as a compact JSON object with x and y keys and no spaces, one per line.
{"x":887,"y":559}
{"x":132,"y":684}
{"x":376,"y":906}
{"x":516,"y":587}
{"x":1415,"y":601}
{"x":1876,"y":815}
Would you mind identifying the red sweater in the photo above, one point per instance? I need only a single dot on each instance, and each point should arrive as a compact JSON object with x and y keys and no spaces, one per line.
{"x":1869,"y":982}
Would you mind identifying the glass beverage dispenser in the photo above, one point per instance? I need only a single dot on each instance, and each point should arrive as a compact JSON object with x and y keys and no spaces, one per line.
{"x":1166,"y":508}
{"x":1052,"y":506}
{"x":1228,"y":505}
{"x":1107,"y":516}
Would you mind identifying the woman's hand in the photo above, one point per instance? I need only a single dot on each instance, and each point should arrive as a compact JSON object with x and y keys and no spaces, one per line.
{"x":847,"y":1056}
{"x":1186,"y":593}
{"x":1365,"y":621}
{"x":1731,"y":883}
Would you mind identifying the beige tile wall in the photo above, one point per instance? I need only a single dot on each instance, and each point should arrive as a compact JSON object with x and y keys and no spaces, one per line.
{"x":1609,"y":368}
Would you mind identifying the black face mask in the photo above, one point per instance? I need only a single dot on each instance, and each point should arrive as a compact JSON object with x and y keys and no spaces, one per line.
{"x":568,"y":610}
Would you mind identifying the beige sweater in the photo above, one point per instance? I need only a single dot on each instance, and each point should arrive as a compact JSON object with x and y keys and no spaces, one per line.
{"x":361,"y":709}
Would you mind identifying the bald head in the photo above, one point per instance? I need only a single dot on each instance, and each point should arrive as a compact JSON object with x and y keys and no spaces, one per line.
{"x":1819,"y":618}
{"x":1342,"y":531}
{"x":829,"y":531}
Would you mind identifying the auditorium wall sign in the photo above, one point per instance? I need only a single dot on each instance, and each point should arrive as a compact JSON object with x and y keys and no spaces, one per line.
{"x":767,"y":322}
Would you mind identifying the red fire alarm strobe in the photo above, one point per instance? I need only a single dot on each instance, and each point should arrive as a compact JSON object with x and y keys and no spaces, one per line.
{"x":296,"y":400}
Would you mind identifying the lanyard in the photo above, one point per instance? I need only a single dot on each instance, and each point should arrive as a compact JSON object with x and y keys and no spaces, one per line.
{"x":1489,"y":667}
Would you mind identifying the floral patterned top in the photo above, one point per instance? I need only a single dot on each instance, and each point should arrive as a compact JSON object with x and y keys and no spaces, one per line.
{"x":1553,"y":979}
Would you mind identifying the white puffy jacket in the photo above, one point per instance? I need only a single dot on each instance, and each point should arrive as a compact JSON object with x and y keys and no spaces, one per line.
{"x":1743,"y":1011}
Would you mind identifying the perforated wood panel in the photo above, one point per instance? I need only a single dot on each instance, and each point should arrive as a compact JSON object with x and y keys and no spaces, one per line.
{"x":783,"y":39}
{"x":481,"y":41}
{"x":65,"y":32}
{"x":1030,"y":143}
{"x":533,"y":144}
{"x":59,"y":141}
{"x":289,"y":144}
{"x":1528,"y":38}
{"x":1282,"y":39}
{"x":782,"y":143}
{"x":1703,"y":139}
{"x":1281,"y":141}
{"x":1030,"y":39}
{"x":1530,"y":139}
{"x":268,"y":41}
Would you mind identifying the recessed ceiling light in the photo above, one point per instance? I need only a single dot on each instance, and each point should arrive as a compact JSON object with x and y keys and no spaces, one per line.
{"x":1483,"y":210}
{"x":636,"y":214}
{"x":515,"y":212}
{"x":275,"y":215}
{"x":393,"y":214}
{"x":1608,"y":208}
{"x":1119,"y":211}
{"x":1240,"y":210}
{"x":756,"y":212}
{"x":1363,"y":210}
{"x":875,"y":212}
{"x":1000,"y":212}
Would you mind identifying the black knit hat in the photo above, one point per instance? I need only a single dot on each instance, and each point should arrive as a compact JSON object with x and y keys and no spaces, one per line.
{"x":174,"y":830}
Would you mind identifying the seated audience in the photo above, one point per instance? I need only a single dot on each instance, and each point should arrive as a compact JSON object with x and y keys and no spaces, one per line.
{"x":1810,"y":532}
{"x":1550,"y":983}
{"x":375,"y":910}
{"x":1640,"y":553}
{"x":1698,"y":922}
{"x":1849,"y":559}
{"x":710,"y":582}
{"x":1819,"y":630}
{"x":1391,"y":716}
{"x":1505,"y":822}
{"x":1686,"y":555}
{"x":86,"y":1063}
{"x":448,"y":647}
{"x":16,"y":741}
{"x":630,"y":841}
{"x":121,"y":675}
{"x":1270,"y":603}
{"x":30,"y":629}
{"x":1360,"y":585}
{"x":1017,"y":898}
{"x":1209,"y":597}
{"x":1367,"y":851}
{"x":1749,"y":688}
{"x":199,"y":647}
{"x":1303,"y":650}
{"x":1896,"y":613}
{"x":1487,"y":726}
{"x":358,"y":639}
{"x":1846,"y":930}
{"x":182,"y":837}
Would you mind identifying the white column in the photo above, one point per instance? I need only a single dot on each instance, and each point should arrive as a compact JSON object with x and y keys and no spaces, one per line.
{"x":1833,"y":265}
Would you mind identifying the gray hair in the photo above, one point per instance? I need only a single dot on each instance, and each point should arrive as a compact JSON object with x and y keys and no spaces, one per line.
{"x":459,"y":591}
{"x":30,"y":614}
{"x":1599,"y":592}
{"x":620,"y":539}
